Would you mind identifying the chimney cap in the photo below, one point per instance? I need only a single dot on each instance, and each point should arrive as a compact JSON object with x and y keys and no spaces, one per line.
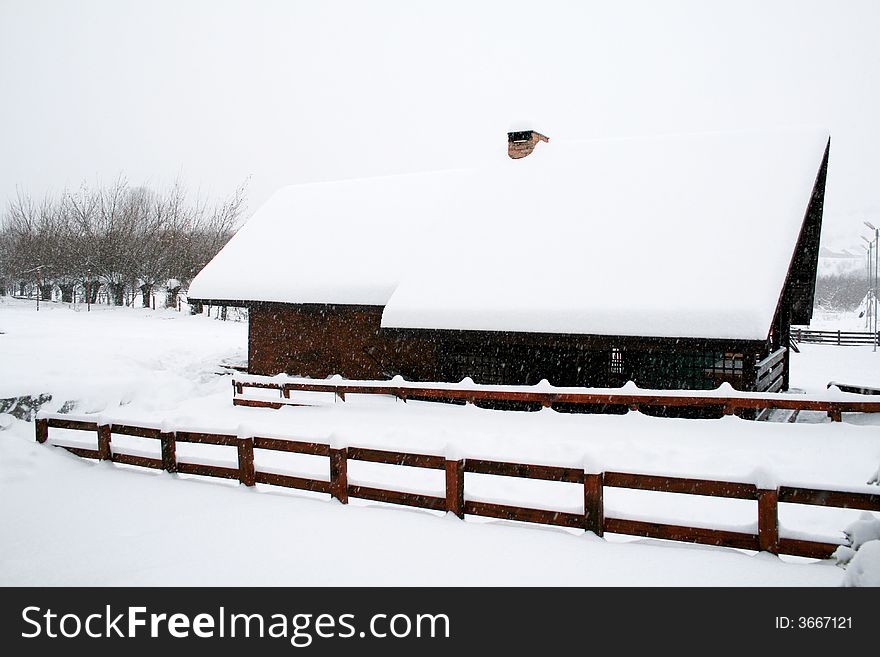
{"x":525,"y":135}
{"x":519,"y":135}
{"x":521,"y":143}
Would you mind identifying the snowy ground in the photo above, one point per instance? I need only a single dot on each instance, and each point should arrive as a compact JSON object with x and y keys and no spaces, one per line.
{"x":67,"y":520}
{"x":838,"y":320}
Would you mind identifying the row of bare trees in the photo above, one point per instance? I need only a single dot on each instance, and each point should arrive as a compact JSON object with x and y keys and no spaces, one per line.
{"x":120,"y":237}
{"x":844,"y":291}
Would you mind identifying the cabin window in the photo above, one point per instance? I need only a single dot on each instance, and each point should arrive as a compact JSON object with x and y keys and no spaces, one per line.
{"x":686,"y":370}
{"x":616,"y":365}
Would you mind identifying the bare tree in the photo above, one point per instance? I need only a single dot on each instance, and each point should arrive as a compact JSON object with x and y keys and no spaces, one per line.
{"x":125,"y":238}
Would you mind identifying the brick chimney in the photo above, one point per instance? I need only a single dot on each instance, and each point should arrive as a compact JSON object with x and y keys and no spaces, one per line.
{"x":523,"y":142}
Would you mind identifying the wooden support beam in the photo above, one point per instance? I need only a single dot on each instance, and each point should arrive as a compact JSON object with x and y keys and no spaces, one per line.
{"x":768,"y":520}
{"x":396,"y":458}
{"x":681,"y":533}
{"x":246,"y":471}
{"x":259,"y":403}
{"x":398,"y":497}
{"x":207,"y":470}
{"x":302,"y":483}
{"x":140,"y":461}
{"x":526,"y":470}
{"x":594,"y":504}
{"x":205,"y":438}
{"x":832,"y":498}
{"x":42,"y":430}
{"x":455,"y":487}
{"x":664,"y":484}
{"x":169,"y":451}
{"x":104,"y":442}
{"x":295,"y":446}
{"x":339,"y":474}
{"x":524,"y":514}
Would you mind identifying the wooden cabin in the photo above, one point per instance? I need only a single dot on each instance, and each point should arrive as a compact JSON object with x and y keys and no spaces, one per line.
{"x":673,"y":262}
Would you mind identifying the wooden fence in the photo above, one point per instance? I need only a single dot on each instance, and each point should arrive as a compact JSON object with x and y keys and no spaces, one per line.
{"x":455,"y":501}
{"x":842,"y":338}
{"x":769,"y":372}
{"x":726,"y":404}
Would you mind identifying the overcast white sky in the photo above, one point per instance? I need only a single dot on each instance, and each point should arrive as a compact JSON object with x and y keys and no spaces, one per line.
{"x":300,"y":90}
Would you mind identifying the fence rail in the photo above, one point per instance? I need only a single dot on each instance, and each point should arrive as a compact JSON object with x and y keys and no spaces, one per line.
{"x":727,"y":404}
{"x":843,"y":338}
{"x":769,"y":372}
{"x":454,"y":501}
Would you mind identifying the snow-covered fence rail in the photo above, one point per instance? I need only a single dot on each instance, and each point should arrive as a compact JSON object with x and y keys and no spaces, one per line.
{"x":727,"y":401}
{"x":844,"y":338}
{"x":454,"y":501}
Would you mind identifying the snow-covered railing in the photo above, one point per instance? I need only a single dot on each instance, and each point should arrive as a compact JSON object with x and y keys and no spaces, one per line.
{"x":593,"y":518}
{"x":725,"y":399}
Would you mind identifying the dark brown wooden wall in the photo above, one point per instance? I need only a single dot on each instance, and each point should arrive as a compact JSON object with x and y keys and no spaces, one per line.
{"x":320,"y":341}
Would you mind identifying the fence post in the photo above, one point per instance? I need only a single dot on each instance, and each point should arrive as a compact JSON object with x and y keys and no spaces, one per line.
{"x":41,"y":426}
{"x":455,"y":487}
{"x":169,"y":451}
{"x":104,"y":452}
{"x":768,"y":520}
{"x":838,"y":337}
{"x":594,"y":504}
{"x":835,"y":415}
{"x":339,"y":474}
{"x":247,"y":474}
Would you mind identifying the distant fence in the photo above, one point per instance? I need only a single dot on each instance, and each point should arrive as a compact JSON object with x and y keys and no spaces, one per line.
{"x":726,"y":404}
{"x":455,"y":501}
{"x":842,"y":338}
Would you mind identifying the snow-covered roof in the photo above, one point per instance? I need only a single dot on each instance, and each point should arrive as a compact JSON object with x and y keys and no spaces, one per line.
{"x":677,"y":236}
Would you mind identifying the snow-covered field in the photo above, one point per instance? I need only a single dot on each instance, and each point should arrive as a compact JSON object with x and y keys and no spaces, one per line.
{"x":838,"y":320}
{"x":68,"y":520}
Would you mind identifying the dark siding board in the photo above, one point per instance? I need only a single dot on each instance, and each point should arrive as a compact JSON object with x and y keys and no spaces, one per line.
{"x":319,"y":341}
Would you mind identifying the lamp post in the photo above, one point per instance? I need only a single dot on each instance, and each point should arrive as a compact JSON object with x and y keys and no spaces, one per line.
{"x":869,"y":307}
{"x":876,"y":262}
{"x":36,"y":270}
{"x":868,"y":283}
